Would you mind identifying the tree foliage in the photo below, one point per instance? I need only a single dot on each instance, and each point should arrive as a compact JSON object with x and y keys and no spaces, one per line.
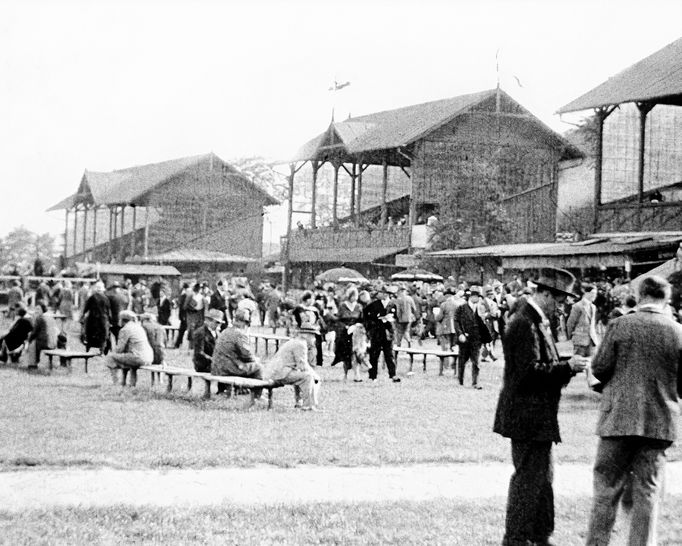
{"x":21,"y":247}
{"x":261,"y":173}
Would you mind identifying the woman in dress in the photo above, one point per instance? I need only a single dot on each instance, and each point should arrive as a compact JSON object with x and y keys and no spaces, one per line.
{"x":349,"y":313}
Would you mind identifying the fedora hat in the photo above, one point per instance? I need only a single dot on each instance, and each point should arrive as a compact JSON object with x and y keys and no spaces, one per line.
{"x":556,"y":280}
{"x":215,"y":315}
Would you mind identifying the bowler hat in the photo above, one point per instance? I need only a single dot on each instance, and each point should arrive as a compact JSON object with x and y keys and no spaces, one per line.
{"x":558,"y":281}
{"x":475,"y":291}
{"x":215,"y":315}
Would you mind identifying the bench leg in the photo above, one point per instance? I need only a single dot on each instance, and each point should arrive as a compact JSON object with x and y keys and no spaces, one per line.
{"x":152,"y":374}
{"x":442,"y":365}
{"x":64,"y":362}
{"x":424,"y":364}
{"x":49,"y":362}
{"x":270,"y":399}
{"x":411,"y":362}
{"x":189,"y":384}
{"x":207,"y":389}
{"x":169,"y":382}
{"x":124,"y":375}
{"x":86,"y":364}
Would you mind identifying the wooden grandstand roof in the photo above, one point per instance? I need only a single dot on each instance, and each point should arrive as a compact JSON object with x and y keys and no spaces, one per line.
{"x":130,"y":186}
{"x":392,"y":129}
{"x":656,"y":78}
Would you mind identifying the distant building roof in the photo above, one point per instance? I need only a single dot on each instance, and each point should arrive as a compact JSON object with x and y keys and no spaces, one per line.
{"x":127,"y":269}
{"x":656,"y":78}
{"x":130,"y":186}
{"x":402,"y":126}
{"x":195,"y":256}
{"x":603,"y":248}
{"x":344,"y":255}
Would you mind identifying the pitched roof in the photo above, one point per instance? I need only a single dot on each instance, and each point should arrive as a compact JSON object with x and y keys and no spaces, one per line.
{"x":129,"y":186}
{"x":127,"y":269}
{"x":657,"y":78}
{"x":402,"y":126}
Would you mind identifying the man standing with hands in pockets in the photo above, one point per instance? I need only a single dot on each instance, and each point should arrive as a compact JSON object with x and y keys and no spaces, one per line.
{"x":528,"y":407}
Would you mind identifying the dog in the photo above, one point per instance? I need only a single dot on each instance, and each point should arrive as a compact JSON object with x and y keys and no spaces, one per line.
{"x":359,"y":355}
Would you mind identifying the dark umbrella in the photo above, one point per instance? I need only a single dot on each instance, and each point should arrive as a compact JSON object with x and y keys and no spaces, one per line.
{"x":340,"y":274}
{"x":416,"y":274}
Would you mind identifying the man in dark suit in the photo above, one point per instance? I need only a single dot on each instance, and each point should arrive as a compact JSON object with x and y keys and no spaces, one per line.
{"x":639,"y":365}
{"x":528,"y":406}
{"x":204,"y":342}
{"x":164,"y":308}
{"x":472,"y":333}
{"x":219,"y":301}
{"x":14,"y":341}
{"x":379,"y":324}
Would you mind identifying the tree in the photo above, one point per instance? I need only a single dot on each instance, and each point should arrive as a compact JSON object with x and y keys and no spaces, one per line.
{"x":21,"y":247}
{"x":260,"y":172}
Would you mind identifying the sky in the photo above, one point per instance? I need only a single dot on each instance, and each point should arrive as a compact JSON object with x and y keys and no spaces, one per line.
{"x":111,"y":84}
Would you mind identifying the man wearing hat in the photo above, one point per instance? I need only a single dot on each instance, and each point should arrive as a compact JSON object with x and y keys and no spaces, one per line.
{"x":156,"y":336}
{"x":205,"y":339}
{"x":232,"y":354}
{"x":528,"y":406}
{"x":379,"y":323}
{"x":293,"y":365}
{"x":14,"y":341}
{"x":132,"y":349}
{"x":472,"y":333}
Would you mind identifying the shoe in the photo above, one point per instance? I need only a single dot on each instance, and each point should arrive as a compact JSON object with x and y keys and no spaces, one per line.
{"x":477,"y":387}
{"x":309,"y":408}
{"x":357,"y":380}
{"x":395,"y":379}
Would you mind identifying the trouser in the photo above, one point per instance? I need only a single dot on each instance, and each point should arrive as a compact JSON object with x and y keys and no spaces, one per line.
{"x":306,"y":387}
{"x":447,"y":342}
{"x":621,"y":459}
{"x":124,"y":362}
{"x":402,"y":331}
{"x":194,"y":320}
{"x":181,"y":332}
{"x":318,"y":350}
{"x":530,"y":503}
{"x":256,"y":372}
{"x":381,"y":344}
{"x":468,"y":351}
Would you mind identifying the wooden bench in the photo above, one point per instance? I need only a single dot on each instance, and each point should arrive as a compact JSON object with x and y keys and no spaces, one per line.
{"x":66,"y":356}
{"x":207,"y":378}
{"x":267,"y":338}
{"x":412,"y":352}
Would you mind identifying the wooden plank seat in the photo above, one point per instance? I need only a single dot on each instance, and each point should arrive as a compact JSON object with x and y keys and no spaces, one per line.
{"x":267,"y":338}
{"x":208,"y":379}
{"x":65,"y":356}
{"x":419,"y":351}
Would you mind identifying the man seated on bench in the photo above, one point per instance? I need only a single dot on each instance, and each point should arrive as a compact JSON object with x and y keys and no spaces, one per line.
{"x":293,"y":365}
{"x":156,"y":336}
{"x":43,"y":336}
{"x":12,"y":343}
{"x":232,"y":354}
{"x":204,"y":342}
{"x":132,"y":350}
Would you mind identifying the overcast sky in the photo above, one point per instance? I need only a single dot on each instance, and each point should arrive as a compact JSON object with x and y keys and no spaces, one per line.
{"x":108,"y":85}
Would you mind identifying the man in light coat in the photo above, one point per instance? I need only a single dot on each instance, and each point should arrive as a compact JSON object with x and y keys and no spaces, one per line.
{"x":445,"y":321}
{"x":639,"y":365}
{"x":293,"y":365}
{"x":132,"y":349}
{"x":581,"y":325}
{"x":405,"y":315}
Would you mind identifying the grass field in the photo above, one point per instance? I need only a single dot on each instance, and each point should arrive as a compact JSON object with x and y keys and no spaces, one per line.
{"x":68,"y":418}
{"x":474,"y":523}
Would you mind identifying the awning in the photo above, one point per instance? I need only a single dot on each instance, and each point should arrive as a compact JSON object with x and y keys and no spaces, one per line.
{"x":127,"y":269}
{"x":344,"y":255}
{"x":187,"y":255}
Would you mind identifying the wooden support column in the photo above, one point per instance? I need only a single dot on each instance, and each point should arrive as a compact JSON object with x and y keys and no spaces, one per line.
{"x":94,"y":229}
{"x":290,"y":214}
{"x":75,"y":231}
{"x":114,"y":223}
{"x":66,"y":234}
{"x":146,"y":230}
{"x":353,"y":177}
{"x":121,"y":246}
{"x":384,"y":192}
{"x":335,"y":201}
{"x":85,"y":230}
{"x":132,"y":235}
{"x":358,"y":213}
{"x":601,"y":114}
{"x":313,"y":215}
{"x":644,"y":109}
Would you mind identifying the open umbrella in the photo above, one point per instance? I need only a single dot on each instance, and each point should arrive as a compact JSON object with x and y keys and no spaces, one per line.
{"x":340,"y":274}
{"x":416,"y":274}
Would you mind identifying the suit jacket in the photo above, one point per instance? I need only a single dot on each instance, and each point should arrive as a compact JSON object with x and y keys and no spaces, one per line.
{"x":581,"y":324}
{"x":640,"y":368}
{"x":371,"y":317}
{"x":204,"y":345}
{"x":470,"y":323}
{"x":533,"y":378}
{"x":44,"y":332}
{"x":405,"y":309}
{"x":164,"y":312}
{"x":292,"y":356}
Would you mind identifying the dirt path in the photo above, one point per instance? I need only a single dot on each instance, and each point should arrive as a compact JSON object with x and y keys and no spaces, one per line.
{"x":265,"y":485}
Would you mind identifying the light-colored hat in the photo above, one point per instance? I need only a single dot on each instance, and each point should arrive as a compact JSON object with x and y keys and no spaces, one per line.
{"x":126,"y":316}
{"x":215,"y":315}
